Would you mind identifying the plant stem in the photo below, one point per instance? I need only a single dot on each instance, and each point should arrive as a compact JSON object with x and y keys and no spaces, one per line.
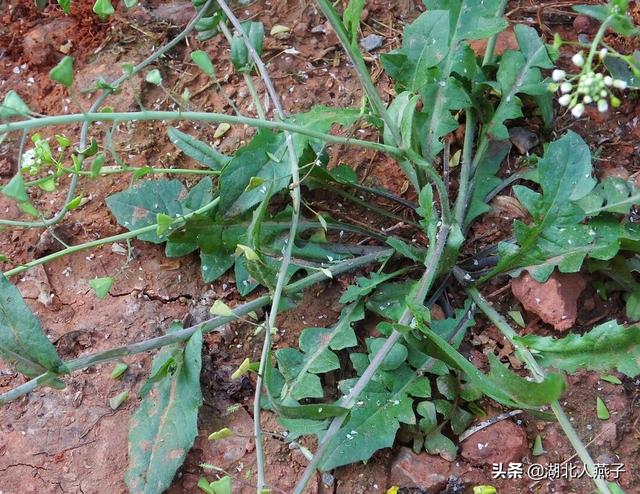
{"x":361,"y":69}
{"x":108,"y":240}
{"x":85,"y":126}
{"x":184,"y":334}
{"x":195,"y":116}
{"x":538,"y":374}
{"x":596,"y":41}
{"x":489,"y":55}
{"x":248,"y":80}
{"x":465,"y":170}
{"x":432,"y":263}
{"x":286,"y":258}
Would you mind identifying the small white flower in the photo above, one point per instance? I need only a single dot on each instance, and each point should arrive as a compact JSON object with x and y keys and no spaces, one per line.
{"x":566,"y":87}
{"x":564,"y":100}
{"x":603,"y":93}
{"x":558,"y":75}
{"x":603,"y":53}
{"x":620,"y":84}
{"x":578,"y":110}
{"x":578,"y":59}
{"x":608,"y":81}
{"x":587,"y":99}
{"x":603,"y":106}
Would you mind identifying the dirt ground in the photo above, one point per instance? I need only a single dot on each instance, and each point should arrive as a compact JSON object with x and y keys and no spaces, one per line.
{"x":70,"y":441}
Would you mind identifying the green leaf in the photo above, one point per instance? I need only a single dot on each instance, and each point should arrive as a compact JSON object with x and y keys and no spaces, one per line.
{"x":139,"y":205}
{"x":316,"y":355}
{"x":611,"y":379}
{"x":164,"y":222}
{"x":395,"y":356}
{"x":365,"y":285}
{"x":239,"y":53}
{"x":469,"y":19}
{"x":130,"y":3}
{"x":103,"y":8}
{"x":15,"y":189}
{"x":63,"y":72}
{"x":154,"y":77}
{"x":266,"y":157}
{"x":65,"y":5}
{"x":537,"y":450}
{"x":118,"y":370}
{"x":619,"y":69}
{"x":165,"y":425}
{"x":101,"y":286}
{"x":500,"y":384}
{"x":22,"y":341}
{"x":607,"y":346}
{"x":202,"y":60}
{"x":198,"y":150}
{"x":13,"y":106}
{"x":556,"y":230}
{"x":116,"y":401}
{"x":351,"y":19}
{"x":619,"y":22}
{"x":601,"y":409}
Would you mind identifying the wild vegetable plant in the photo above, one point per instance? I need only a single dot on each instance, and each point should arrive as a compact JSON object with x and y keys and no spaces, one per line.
{"x":411,"y":375}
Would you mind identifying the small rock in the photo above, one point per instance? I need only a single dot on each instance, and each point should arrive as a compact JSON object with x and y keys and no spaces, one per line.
{"x":50,"y":240}
{"x":423,"y":471}
{"x":585,"y":25}
{"x":616,"y":171}
{"x":523,"y":139}
{"x":371,"y":42}
{"x":506,"y":40}
{"x":555,"y":301}
{"x":176,"y":13}
{"x":41,"y":43}
{"x":502,"y":442}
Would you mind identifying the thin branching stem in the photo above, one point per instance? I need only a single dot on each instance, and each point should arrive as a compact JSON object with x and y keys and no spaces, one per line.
{"x":286,"y":258}
{"x":464,"y":188}
{"x":185,"y":334}
{"x":489,"y":53}
{"x":538,"y":374}
{"x":361,"y":69}
{"x":85,"y":126}
{"x":424,"y":285}
{"x":194,"y":116}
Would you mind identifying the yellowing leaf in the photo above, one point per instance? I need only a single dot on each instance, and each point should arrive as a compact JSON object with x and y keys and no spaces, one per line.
{"x":221,"y":434}
{"x":222,"y":129}
{"x":219,"y":308}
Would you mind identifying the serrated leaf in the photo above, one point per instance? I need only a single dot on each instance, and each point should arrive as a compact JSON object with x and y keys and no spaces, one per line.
{"x":139,"y":205}
{"x":556,"y":230}
{"x":101,"y":286}
{"x":13,"y":106}
{"x":22,"y":340}
{"x":607,"y":346}
{"x":165,"y":425}
{"x":198,"y":150}
{"x":316,"y":355}
{"x":500,"y":384}
{"x":366,"y":285}
{"x":469,"y":19}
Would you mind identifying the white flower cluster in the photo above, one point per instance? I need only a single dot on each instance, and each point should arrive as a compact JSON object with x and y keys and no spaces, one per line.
{"x":587,"y":87}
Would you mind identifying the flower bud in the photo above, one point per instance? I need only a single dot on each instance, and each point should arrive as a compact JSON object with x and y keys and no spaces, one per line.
{"x":615,"y":101}
{"x":620,"y":84}
{"x":578,"y":110}
{"x":603,"y":93}
{"x":603,"y":106}
{"x":603,"y":53}
{"x":558,"y":75}
{"x":578,"y":59}
{"x":566,"y":87}
{"x":564,"y":100}
{"x":608,"y":81}
{"x":587,"y":99}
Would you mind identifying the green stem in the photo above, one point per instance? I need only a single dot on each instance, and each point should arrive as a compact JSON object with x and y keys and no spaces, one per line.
{"x":107,"y":240}
{"x":248,"y":80}
{"x":185,"y":334}
{"x":361,"y":69}
{"x":538,"y":374}
{"x":424,"y":285}
{"x":85,"y":127}
{"x":596,"y":41}
{"x":434,"y":176}
{"x":489,"y":53}
{"x":195,"y":116}
{"x":465,"y":170}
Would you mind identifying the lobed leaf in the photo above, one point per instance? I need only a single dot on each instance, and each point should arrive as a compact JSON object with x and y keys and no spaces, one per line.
{"x":198,"y":150}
